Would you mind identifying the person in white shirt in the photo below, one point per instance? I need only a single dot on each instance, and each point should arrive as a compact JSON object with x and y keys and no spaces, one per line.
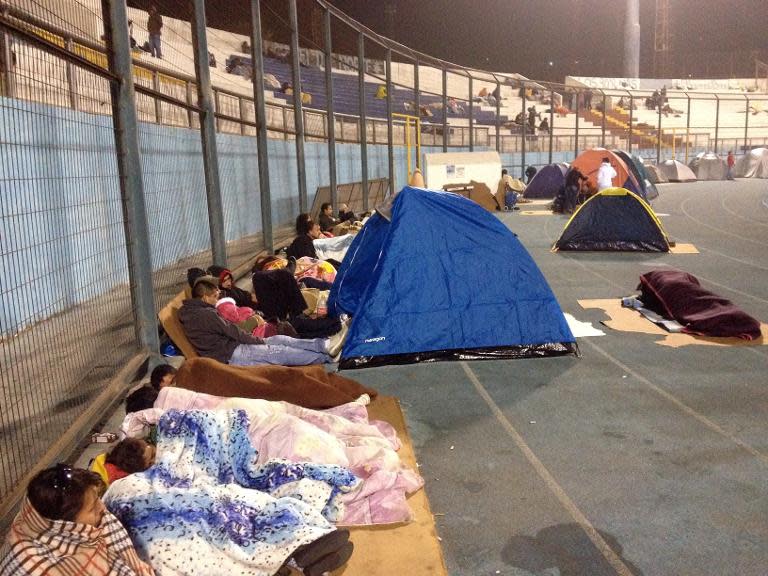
{"x":605,"y":175}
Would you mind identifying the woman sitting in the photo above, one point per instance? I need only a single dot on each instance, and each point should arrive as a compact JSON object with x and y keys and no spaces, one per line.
{"x":307,"y":231}
{"x":63,"y":528}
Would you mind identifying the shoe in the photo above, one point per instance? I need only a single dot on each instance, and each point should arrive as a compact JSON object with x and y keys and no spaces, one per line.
{"x":319,"y":549}
{"x":336,"y":342}
{"x":330,"y":562}
{"x":363,"y":400}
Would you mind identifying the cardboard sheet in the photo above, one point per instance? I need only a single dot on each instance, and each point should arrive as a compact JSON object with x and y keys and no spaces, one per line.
{"x":680,"y":248}
{"x":412,"y":548}
{"x":629,"y":320}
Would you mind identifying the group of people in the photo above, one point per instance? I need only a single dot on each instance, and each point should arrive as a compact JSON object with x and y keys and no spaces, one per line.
{"x":64,"y":526}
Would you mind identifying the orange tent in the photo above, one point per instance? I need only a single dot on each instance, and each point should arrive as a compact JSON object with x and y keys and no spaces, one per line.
{"x":588,"y":163}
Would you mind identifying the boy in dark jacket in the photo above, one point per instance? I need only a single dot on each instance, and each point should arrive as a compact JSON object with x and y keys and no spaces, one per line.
{"x":214,"y":337}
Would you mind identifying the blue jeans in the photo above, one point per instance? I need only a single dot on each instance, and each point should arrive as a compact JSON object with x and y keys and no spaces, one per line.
{"x":282,"y":351}
{"x":154,"y":46}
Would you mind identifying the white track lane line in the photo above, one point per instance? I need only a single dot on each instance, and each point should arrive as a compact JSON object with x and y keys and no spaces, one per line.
{"x":610,"y":556}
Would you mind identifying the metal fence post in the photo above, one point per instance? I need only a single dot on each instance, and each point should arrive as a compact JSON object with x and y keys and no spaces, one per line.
{"x":363,"y":121}
{"x":158,"y":103}
{"x":471,"y":118}
{"x":605,"y":114}
{"x":522,"y":139}
{"x":717,"y":121}
{"x":576,"y":133}
{"x":6,"y":64}
{"x":551,"y":122}
{"x":746,"y":122}
{"x":445,"y":111}
{"x":190,"y":100}
{"x":129,"y":167}
{"x":416,"y":90}
{"x":298,"y":111}
{"x":498,"y":117}
{"x":329,"y":114}
{"x":208,"y":135}
{"x":687,"y":126}
{"x":71,"y":77}
{"x":658,"y":133}
{"x":390,"y":131}
{"x":241,"y":110}
{"x":631,"y":119}
{"x":260,"y":111}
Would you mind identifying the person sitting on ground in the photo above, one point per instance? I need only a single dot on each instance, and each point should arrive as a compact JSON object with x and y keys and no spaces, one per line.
{"x":229,"y":290}
{"x":214,"y":337}
{"x":63,"y":528}
{"x":505,"y":187}
{"x":530,"y":172}
{"x":128,"y":457}
{"x":307,"y":232}
{"x":345,"y":214}
{"x":326,"y":219}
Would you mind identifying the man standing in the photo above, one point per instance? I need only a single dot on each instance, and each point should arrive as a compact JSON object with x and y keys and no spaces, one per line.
{"x":730,"y":161}
{"x":605,"y":175}
{"x":154,"y":26}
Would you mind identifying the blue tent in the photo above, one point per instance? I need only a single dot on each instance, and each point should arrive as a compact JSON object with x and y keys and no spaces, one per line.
{"x":547,"y":182}
{"x":614,"y":219}
{"x":443,"y":279}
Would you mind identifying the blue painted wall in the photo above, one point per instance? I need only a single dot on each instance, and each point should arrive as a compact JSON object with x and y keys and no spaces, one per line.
{"x":61,"y":227}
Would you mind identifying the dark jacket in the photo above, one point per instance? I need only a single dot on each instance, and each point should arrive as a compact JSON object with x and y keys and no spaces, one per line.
{"x":240,"y":296}
{"x":211,"y":335}
{"x":327,"y":222}
{"x":300,"y":247}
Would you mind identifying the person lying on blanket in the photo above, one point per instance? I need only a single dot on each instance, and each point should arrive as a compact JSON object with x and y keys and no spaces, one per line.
{"x":207,"y":507}
{"x":214,"y":337}
{"x":63,"y":528}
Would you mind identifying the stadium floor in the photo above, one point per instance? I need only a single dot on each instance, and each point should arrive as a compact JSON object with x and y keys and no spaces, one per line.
{"x":634,"y":458}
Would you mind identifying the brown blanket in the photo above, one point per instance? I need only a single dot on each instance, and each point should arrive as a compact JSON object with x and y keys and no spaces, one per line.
{"x":678,"y":295}
{"x":308,"y":386}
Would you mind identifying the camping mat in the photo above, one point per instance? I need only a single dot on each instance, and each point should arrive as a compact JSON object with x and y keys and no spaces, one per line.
{"x":680,"y":248}
{"x":629,"y":320}
{"x":411,"y":548}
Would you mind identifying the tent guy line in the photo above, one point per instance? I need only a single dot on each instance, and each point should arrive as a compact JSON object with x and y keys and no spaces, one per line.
{"x":610,"y":556}
{"x":682,"y":406}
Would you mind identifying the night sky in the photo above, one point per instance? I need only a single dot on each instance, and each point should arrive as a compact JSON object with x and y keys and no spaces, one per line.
{"x":579,"y":37}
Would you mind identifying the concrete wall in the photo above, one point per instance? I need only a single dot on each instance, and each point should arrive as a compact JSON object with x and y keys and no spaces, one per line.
{"x":61,"y":225}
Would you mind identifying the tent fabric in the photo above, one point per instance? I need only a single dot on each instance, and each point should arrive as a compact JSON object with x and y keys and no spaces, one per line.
{"x":588,"y":163}
{"x":754,"y":164}
{"x":655,"y":175}
{"x":444,"y":280}
{"x":709,"y":166}
{"x":636,"y":165}
{"x":677,"y":171}
{"x":547,"y":182}
{"x":614,"y":219}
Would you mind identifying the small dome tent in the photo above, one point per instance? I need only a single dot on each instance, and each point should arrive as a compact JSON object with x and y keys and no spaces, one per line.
{"x":443,"y":279}
{"x":614,"y":219}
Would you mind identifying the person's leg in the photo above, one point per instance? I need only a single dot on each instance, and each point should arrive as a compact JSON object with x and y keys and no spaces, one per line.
{"x":276,"y":354}
{"x":319,"y":345}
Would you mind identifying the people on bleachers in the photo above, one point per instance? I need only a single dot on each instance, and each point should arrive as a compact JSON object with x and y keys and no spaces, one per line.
{"x":326,"y":219}
{"x":605,"y":175}
{"x":155,"y":27}
{"x":544,"y":125}
{"x":588,"y":99}
{"x":63,"y":528}
{"x":381,"y":92}
{"x":214,"y":337}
